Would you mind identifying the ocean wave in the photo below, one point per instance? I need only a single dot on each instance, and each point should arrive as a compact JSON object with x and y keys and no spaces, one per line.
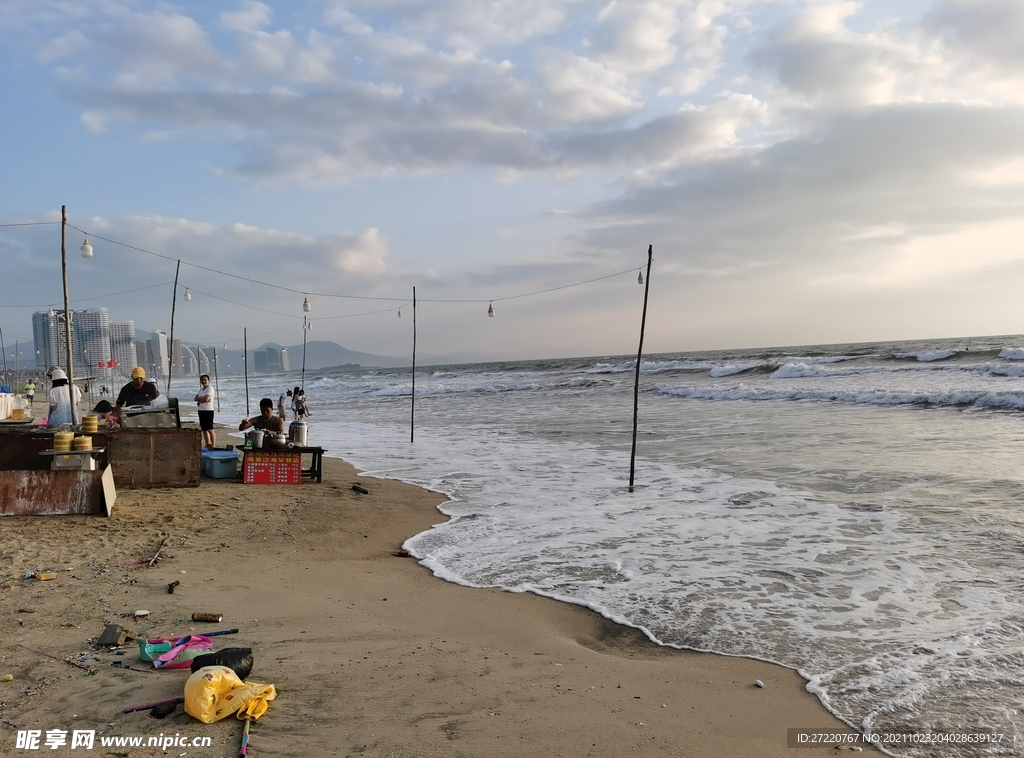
{"x":819,"y":358}
{"x":803,"y":370}
{"x":714,"y":368}
{"x":996,"y":400}
{"x":1012,"y":354}
{"x":399,"y":390}
{"x":937,"y":355}
{"x":732,"y":369}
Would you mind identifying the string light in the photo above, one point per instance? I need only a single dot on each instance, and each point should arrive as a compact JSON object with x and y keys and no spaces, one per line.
{"x":86,"y":252}
{"x":188,"y":295}
{"x":399,"y":313}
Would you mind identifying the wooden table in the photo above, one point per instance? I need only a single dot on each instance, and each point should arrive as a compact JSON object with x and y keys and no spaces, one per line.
{"x":316,"y":466}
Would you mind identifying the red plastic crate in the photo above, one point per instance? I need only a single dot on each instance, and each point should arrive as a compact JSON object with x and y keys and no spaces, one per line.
{"x":272,"y":467}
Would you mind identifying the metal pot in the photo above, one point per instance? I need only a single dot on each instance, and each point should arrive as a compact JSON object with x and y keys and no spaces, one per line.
{"x":279,"y":441}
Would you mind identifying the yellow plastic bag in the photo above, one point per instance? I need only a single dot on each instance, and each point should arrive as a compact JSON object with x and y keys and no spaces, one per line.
{"x":216,"y":692}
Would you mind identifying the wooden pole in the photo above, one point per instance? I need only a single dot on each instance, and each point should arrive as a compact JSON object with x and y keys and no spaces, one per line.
{"x":639,"y":355}
{"x":302,"y":383}
{"x":245,"y":366}
{"x":216,"y":378}
{"x":4,"y":351}
{"x":412,"y":407}
{"x":170,"y":347}
{"x":67,"y":310}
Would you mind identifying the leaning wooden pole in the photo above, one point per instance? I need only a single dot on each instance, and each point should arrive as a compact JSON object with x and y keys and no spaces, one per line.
{"x":639,"y":355}
{"x":67,"y":311}
{"x":170,"y":347}
{"x":412,"y":405}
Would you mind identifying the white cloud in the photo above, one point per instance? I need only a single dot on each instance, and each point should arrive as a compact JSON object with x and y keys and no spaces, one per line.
{"x":363,"y":253}
{"x":816,"y":56}
{"x":579,"y":89}
{"x":637,"y":37}
{"x":251,"y":17}
{"x":992,"y":30}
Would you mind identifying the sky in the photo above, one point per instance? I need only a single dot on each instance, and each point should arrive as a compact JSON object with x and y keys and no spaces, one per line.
{"x":806,"y":171}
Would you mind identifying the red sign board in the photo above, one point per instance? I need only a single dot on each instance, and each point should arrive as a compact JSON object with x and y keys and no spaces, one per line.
{"x":272,"y":467}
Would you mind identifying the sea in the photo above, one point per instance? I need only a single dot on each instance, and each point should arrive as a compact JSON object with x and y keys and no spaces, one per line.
{"x":854,"y":512}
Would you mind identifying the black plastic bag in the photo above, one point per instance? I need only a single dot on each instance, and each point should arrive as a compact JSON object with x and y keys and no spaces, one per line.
{"x":238,"y":659}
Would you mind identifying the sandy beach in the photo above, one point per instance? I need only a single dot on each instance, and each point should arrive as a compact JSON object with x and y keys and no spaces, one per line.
{"x":371,"y":655}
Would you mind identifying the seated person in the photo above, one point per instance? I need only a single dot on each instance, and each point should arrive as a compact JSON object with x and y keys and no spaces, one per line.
{"x":107,"y":414}
{"x":138,"y":391}
{"x":266,"y":421}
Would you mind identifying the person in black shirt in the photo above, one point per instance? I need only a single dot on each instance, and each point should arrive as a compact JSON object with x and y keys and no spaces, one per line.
{"x":138,"y":391}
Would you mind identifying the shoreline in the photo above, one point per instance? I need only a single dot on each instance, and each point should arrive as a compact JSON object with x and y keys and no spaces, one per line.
{"x":371,"y":653}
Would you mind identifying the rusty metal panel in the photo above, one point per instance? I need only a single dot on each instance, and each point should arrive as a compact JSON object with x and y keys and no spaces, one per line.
{"x":143,"y":458}
{"x":56,"y":493}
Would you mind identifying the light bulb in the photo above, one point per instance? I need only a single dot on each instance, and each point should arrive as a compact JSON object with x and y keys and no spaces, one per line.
{"x":188,"y":295}
{"x":86,"y":249}
{"x":640,"y":278}
{"x":399,"y":313}
{"x":490,"y":310}
{"x":306,"y":306}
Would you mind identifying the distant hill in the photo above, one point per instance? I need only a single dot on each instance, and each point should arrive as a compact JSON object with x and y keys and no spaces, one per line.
{"x":320,"y":354}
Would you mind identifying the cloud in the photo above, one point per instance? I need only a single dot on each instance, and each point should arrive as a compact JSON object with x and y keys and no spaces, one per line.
{"x":815,"y":55}
{"x":251,"y":17}
{"x":637,"y":37}
{"x":362,"y":254}
{"x":992,"y":30}
{"x":835,"y":146}
{"x":579,"y":89}
{"x":807,"y":203}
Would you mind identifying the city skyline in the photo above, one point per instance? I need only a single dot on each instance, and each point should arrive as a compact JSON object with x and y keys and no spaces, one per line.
{"x":107,"y":349}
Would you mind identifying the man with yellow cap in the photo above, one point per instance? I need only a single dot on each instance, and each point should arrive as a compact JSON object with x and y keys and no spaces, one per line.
{"x":138,"y":391}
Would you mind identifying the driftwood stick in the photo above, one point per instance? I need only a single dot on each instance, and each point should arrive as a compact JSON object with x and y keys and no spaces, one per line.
{"x":156,"y":555}
{"x":62,"y":660}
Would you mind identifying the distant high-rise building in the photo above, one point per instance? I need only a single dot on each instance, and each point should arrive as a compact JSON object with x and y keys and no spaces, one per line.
{"x":143,"y":356}
{"x":177,"y":358}
{"x":286,"y":360}
{"x":159,"y":353}
{"x":266,"y":360}
{"x":122,"y":347}
{"x":45,"y":337}
{"x":90,"y":339}
{"x":189,"y":361}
